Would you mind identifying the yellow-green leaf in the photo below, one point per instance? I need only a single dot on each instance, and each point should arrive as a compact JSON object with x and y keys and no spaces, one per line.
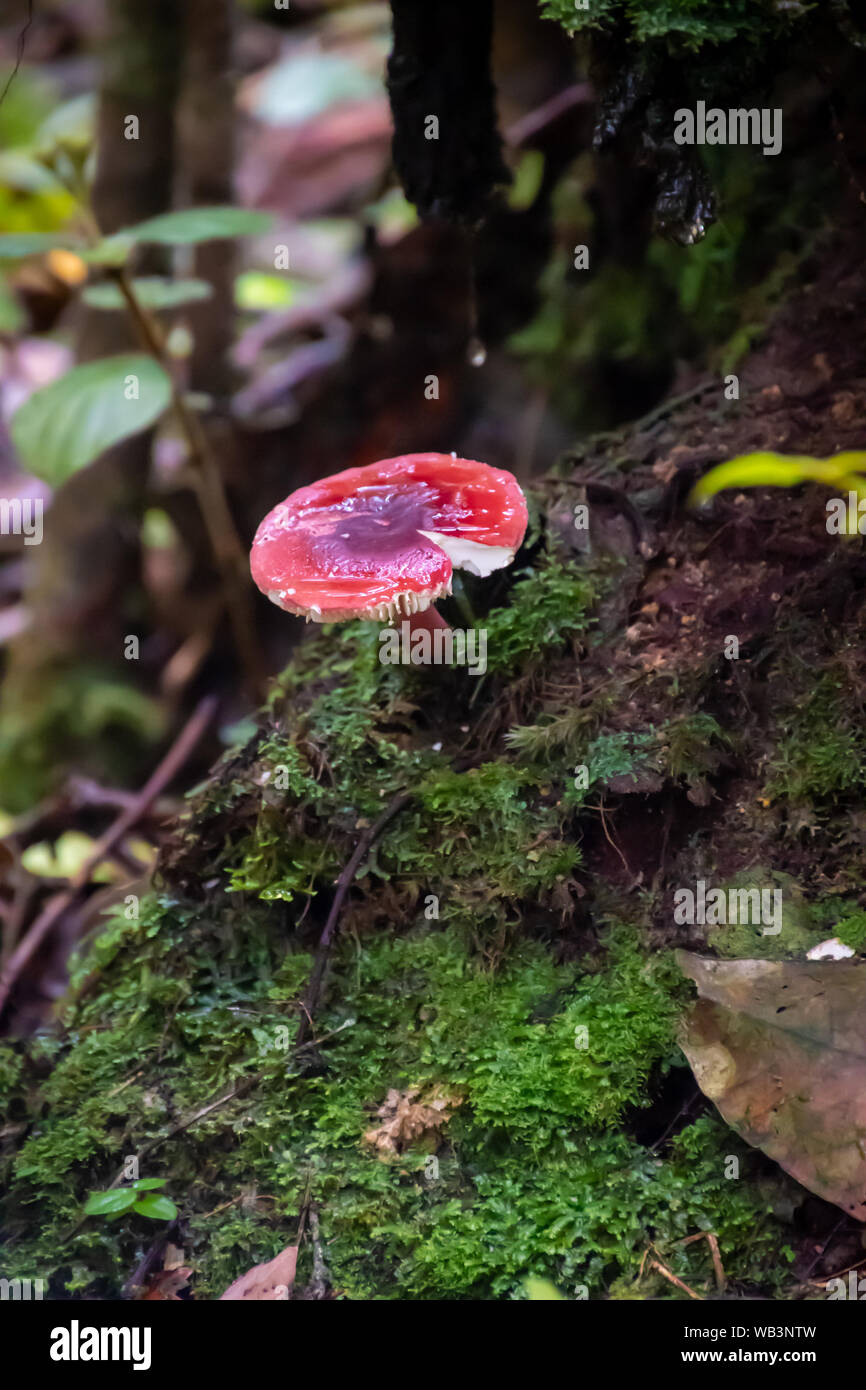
{"x":782,"y":470}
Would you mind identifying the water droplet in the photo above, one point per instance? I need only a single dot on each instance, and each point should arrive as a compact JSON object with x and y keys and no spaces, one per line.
{"x":476,"y":353}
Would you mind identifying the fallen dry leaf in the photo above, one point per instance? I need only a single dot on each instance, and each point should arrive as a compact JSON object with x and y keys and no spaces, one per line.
{"x":166,"y":1286}
{"x":410,"y":1116}
{"x":780,"y":1049}
{"x":267,"y":1282}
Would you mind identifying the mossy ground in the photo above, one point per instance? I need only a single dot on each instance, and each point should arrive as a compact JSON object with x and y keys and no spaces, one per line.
{"x":506,"y":944}
{"x":612,"y":753}
{"x":536,"y":1173}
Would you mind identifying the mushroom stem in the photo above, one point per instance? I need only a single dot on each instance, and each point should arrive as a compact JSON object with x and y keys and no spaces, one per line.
{"x":427,"y":621}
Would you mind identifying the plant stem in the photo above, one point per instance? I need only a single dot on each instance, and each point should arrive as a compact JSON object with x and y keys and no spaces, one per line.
{"x":227,"y":546}
{"x":428,"y":621}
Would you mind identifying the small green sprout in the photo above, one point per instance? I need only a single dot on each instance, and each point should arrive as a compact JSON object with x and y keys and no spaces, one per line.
{"x":844,"y":470}
{"x":114,"y":1201}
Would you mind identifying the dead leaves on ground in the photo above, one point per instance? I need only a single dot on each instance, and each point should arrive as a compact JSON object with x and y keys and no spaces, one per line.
{"x":412,"y":1117}
{"x":167,"y":1285}
{"x":270,"y":1282}
{"x":780,"y":1049}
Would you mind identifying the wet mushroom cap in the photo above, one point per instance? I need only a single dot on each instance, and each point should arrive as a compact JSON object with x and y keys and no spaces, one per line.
{"x":382,"y":541}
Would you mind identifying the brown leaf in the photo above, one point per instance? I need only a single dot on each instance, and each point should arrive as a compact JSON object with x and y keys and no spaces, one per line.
{"x":780,"y":1049}
{"x":167,"y":1285}
{"x":408,"y":1117}
{"x":316,"y":166}
{"x":267,"y":1282}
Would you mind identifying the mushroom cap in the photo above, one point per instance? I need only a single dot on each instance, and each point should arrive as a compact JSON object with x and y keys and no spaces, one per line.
{"x":382,"y":541}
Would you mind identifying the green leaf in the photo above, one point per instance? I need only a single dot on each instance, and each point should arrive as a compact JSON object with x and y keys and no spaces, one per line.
{"x":152,"y":291}
{"x":782,"y":470}
{"x":16,"y":245}
{"x":198,"y":224}
{"x":157,"y":1208}
{"x":257,"y":291}
{"x":66,"y":425}
{"x":62,"y":859}
{"x":112,"y":250}
{"x":73,"y":122}
{"x":147,"y":1184}
{"x":542,"y":1291}
{"x":25,"y":174}
{"x":112,"y":1203}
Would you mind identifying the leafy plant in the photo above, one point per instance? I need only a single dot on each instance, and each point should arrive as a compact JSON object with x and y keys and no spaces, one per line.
{"x":115,"y":1201}
{"x":66,"y":425}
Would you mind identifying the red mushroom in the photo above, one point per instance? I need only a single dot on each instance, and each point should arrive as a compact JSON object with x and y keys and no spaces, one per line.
{"x":382,"y":541}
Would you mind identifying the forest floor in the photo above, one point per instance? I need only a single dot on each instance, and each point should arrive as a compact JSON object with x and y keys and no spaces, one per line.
{"x":490,"y":1086}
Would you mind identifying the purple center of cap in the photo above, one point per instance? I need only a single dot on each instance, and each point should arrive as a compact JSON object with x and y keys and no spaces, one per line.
{"x":376,"y":528}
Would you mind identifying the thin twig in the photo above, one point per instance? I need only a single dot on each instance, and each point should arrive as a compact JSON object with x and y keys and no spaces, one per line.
{"x":226,"y":544}
{"x":712,"y":1241}
{"x":19,"y":55}
{"x":148,"y":1260}
{"x":822,"y":1283}
{"x":672,"y":1278}
{"x":612,"y":843}
{"x":530,"y":125}
{"x":344,"y":883}
{"x":156,"y":783}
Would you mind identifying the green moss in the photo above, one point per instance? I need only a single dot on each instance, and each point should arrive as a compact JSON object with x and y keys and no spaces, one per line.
{"x":533,"y":1175}
{"x":688,"y":747}
{"x":463,"y":964}
{"x":851,"y":930}
{"x":362,"y":707}
{"x":687,"y":24}
{"x":822,"y":750}
{"x":10,"y":1072}
{"x":834,"y":916}
{"x":748,"y":940}
{"x":546,"y":607}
